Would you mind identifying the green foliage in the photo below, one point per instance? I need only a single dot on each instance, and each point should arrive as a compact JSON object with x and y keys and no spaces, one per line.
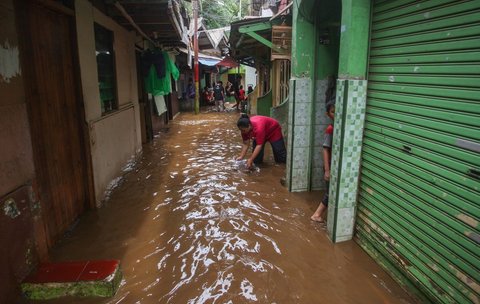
{"x":220,"y":13}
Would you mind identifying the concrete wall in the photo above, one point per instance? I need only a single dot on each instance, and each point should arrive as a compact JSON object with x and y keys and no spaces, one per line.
{"x":17,"y":245}
{"x":114,"y":138}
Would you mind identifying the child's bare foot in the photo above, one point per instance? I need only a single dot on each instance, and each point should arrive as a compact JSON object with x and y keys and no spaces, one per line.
{"x":317,"y":219}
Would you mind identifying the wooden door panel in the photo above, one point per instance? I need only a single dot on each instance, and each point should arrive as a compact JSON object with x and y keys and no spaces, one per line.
{"x":55,"y":115}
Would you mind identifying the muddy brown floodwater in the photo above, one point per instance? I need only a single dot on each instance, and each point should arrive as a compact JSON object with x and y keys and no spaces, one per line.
{"x":189,"y":226}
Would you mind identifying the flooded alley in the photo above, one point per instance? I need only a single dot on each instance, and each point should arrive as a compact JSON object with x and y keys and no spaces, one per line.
{"x":191,"y":226}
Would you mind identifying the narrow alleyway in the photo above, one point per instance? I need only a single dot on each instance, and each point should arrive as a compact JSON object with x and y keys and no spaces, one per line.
{"x":191,"y":227}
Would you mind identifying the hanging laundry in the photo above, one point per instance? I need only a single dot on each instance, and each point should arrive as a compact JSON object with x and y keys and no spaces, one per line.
{"x":156,"y":59}
{"x":171,"y":69}
{"x":161,"y":86}
{"x":160,"y":103}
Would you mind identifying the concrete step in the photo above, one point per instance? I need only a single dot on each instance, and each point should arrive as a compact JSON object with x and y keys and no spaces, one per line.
{"x":78,"y":278}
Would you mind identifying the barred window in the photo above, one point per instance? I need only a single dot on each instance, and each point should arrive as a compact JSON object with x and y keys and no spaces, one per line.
{"x":107,"y":81}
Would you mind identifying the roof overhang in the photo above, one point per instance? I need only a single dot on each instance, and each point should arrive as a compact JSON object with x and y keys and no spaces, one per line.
{"x":250,"y":39}
{"x":243,"y":46}
{"x":163,"y":22}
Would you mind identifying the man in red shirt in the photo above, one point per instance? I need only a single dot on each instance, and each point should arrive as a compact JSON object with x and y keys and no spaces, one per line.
{"x":261,"y":129}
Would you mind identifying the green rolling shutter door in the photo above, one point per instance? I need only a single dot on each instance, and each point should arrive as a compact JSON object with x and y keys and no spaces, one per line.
{"x":419,"y":198}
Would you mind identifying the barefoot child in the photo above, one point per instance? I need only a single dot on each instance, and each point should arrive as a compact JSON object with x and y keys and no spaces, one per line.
{"x":319,"y":215}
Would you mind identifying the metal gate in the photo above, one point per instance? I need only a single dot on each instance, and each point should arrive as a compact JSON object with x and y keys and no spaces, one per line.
{"x":419,"y":198}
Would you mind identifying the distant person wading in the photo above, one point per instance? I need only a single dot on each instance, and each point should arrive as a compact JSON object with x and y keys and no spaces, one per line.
{"x":261,"y":129}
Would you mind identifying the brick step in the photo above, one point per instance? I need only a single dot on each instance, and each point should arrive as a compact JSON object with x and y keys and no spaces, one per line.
{"x":78,"y":278}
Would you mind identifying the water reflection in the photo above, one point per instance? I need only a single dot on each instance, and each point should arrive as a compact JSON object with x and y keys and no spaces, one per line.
{"x":192,"y":225}
{"x":223,"y":230}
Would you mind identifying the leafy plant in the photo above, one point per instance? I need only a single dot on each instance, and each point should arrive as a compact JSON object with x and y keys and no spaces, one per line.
{"x":220,"y":13}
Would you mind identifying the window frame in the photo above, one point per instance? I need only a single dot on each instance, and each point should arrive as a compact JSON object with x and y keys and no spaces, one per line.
{"x":112,"y":105}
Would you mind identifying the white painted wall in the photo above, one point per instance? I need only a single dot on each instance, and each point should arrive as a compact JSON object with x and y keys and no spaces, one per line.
{"x":250,"y":77}
{"x":114,"y":138}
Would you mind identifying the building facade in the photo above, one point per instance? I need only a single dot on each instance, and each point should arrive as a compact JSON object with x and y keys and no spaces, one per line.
{"x":72,"y":116}
{"x":404,"y":180}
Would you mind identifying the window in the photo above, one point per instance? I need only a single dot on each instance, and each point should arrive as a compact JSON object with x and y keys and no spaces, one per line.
{"x":107,"y":82}
{"x":285,"y":70}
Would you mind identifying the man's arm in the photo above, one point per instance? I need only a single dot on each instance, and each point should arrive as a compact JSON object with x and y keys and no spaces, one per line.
{"x":246,"y":145}
{"x":255,"y":153}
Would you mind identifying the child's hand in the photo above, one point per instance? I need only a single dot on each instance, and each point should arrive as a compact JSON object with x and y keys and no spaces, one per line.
{"x":327,"y":176}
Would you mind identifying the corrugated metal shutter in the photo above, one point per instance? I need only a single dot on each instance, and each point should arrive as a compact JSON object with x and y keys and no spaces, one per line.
{"x":419,"y":196}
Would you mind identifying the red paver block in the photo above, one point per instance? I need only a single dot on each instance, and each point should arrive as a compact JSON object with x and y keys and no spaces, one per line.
{"x":84,"y":278}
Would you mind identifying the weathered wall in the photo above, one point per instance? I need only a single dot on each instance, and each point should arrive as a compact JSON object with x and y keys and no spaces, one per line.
{"x":16,"y":164}
{"x":328,"y":43}
{"x":116,"y":137}
{"x":280,"y":113}
{"x":175,"y":104}
{"x":17,"y":253}
{"x":113,"y":140}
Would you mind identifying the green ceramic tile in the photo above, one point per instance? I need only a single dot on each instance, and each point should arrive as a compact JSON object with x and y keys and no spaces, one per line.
{"x":346,"y":150}
{"x":301,"y":158}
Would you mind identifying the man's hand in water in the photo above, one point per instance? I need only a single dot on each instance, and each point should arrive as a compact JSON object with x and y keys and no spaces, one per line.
{"x":239,"y":158}
{"x":249,"y":163}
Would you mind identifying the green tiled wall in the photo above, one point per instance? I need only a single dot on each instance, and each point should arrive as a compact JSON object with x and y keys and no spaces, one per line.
{"x":320,"y":123}
{"x":280,"y":113}
{"x":346,"y":152}
{"x":299,"y":130}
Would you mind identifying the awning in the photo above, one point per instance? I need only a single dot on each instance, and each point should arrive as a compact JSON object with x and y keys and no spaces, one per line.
{"x":208,"y":61}
{"x":202,"y":58}
{"x":228,"y":62}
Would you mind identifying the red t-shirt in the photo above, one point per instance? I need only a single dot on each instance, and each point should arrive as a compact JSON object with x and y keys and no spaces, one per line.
{"x":241,"y":94}
{"x":263,"y":129}
{"x":328,"y":138}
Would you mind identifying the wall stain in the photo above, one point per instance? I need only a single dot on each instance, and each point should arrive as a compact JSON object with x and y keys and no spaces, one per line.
{"x":468,"y":220}
{"x":9,"y":62}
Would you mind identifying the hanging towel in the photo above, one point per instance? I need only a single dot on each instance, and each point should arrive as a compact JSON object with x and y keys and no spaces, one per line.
{"x":160,"y":103}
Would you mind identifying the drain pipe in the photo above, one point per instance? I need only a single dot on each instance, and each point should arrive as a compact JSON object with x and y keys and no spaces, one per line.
{"x":130,"y":20}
